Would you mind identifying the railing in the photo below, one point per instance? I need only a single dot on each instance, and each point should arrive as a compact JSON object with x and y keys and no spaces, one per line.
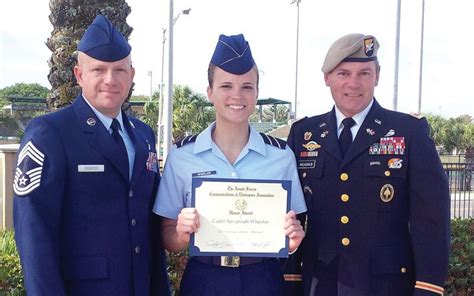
{"x":461,"y":188}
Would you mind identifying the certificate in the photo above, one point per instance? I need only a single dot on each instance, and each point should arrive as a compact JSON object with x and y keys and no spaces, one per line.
{"x":240,"y":217}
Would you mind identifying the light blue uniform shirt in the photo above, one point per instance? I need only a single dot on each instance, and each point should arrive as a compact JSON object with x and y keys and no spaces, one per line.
{"x":203,"y":157}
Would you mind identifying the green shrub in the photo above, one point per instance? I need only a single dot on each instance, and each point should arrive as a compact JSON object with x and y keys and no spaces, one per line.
{"x":11,"y":278}
{"x":460,"y":281}
{"x":176,"y":264}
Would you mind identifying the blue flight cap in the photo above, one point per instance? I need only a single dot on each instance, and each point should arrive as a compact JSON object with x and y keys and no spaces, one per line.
{"x":233,"y":55}
{"x":103,"y":42}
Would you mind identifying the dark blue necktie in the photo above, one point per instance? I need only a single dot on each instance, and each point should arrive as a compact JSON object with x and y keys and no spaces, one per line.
{"x":345,"y":139}
{"x":115,"y":126}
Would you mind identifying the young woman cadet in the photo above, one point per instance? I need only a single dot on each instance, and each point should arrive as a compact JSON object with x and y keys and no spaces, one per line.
{"x":228,"y":148}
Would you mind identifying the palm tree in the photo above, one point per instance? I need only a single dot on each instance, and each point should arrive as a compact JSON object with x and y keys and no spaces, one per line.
{"x":70,"y":19}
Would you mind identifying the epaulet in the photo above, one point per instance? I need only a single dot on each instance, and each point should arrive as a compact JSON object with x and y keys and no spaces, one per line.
{"x":185,"y":140}
{"x":300,"y":120}
{"x":416,"y":115}
{"x":270,"y":140}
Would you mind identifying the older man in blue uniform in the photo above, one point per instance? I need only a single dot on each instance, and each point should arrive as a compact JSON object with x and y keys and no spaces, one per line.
{"x":377,"y":195}
{"x":84,"y":186}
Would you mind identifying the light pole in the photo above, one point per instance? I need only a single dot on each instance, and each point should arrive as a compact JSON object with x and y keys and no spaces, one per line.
{"x":421,"y":55}
{"x":168,"y":104}
{"x":150,"y":73}
{"x":297,"y":47}
{"x":397,"y":54}
{"x":160,"y":102}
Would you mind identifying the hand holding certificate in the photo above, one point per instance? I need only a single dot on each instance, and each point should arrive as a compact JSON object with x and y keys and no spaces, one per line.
{"x":240,"y":217}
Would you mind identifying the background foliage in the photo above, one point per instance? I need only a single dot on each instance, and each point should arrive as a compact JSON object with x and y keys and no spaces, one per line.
{"x":24,"y":90}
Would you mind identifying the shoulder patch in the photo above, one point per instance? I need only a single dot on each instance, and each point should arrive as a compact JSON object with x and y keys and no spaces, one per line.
{"x":270,"y":140}
{"x":28,"y":169}
{"x":417,"y":115}
{"x":185,"y":140}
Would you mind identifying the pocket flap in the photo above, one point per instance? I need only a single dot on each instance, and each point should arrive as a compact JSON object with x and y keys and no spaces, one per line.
{"x":392,"y":259}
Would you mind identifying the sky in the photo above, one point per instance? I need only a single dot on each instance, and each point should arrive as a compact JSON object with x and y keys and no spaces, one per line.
{"x":270,"y":28}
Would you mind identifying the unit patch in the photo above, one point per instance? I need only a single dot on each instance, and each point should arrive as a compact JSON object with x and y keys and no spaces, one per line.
{"x":395,"y":163}
{"x":29,"y":169}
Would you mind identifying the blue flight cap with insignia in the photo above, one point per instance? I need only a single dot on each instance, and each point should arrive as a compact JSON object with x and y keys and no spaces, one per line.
{"x":351,"y":48}
{"x":233,"y":55}
{"x":103,"y":42}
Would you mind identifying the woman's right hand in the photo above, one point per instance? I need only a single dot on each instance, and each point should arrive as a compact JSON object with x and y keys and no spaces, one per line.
{"x":188,"y":222}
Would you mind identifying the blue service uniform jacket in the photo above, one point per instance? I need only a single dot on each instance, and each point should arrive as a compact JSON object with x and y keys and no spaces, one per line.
{"x":381,"y":214}
{"x":82,"y":227}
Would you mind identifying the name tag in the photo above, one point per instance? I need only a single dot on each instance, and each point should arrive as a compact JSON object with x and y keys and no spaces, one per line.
{"x":202,"y":174}
{"x":90,"y":168}
{"x":306,"y":164}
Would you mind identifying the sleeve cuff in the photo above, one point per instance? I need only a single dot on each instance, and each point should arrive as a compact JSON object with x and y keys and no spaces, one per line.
{"x":429,"y":287}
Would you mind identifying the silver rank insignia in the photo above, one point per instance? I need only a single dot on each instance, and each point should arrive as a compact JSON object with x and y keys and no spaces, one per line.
{"x":370,"y":131}
{"x":324,"y":134}
{"x":387,"y":192}
{"x":29,"y":169}
{"x":91,"y":121}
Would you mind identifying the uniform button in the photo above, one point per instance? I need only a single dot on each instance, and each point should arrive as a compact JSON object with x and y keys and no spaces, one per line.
{"x":137,"y":250}
{"x":344,"y":219}
{"x":344,"y":177}
{"x":345,"y":197}
{"x":387,"y":173}
{"x":403,"y":270}
{"x":133,"y":222}
{"x":345,"y":241}
{"x":304,"y":175}
{"x":130,"y":193}
{"x":233,"y":174}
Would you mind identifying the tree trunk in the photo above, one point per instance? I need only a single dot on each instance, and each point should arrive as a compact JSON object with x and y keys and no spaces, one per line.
{"x":70,"y":18}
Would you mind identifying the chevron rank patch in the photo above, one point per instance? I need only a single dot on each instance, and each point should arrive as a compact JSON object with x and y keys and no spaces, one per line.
{"x":28,"y":170}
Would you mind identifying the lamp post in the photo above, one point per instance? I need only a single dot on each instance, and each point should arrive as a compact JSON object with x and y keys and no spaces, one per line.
{"x":421,"y":55}
{"x":150,"y":73}
{"x":297,"y":47}
{"x":159,"y":124}
{"x":168,"y":104}
{"x":397,"y":54}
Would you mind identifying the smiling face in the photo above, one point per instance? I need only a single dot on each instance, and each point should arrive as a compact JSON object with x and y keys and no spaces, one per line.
{"x":104,"y":84}
{"x":234,"y":96}
{"x":352,"y":85}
